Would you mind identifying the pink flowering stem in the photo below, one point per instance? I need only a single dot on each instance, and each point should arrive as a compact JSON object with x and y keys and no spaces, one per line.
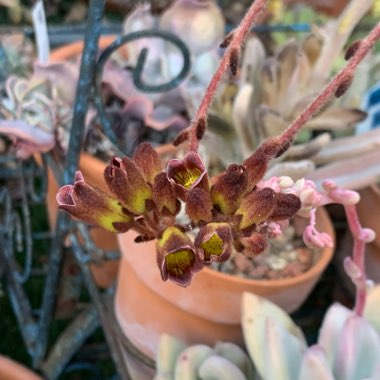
{"x":344,"y":77}
{"x":235,"y":45}
{"x":358,"y":257}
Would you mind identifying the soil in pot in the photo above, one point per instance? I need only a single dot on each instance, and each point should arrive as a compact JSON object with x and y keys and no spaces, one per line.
{"x":288,"y":257}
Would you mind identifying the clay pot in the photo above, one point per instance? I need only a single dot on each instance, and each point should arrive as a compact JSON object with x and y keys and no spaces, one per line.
{"x":369,"y":211}
{"x":74,"y":49}
{"x":11,"y":370}
{"x":206,"y":311}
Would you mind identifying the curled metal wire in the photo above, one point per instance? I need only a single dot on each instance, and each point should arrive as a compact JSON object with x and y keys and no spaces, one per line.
{"x":138,"y":70}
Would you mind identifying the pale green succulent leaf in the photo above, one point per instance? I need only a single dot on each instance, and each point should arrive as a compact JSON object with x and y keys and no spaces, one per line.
{"x":315,"y":366}
{"x":169,"y":349}
{"x":332,"y":325}
{"x":218,"y":368}
{"x":282,"y":352}
{"x":236,"y":355}
{"x":371,"y":311}
{"x":358,"y":350}
{"x":253,"y":306}
{"x":190,"y":360}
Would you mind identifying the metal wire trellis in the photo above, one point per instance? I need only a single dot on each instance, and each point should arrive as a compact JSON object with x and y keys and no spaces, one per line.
{"x":15,"y":227}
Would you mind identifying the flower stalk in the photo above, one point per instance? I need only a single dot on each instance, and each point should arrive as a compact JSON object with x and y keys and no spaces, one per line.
{"x":234,"y":42}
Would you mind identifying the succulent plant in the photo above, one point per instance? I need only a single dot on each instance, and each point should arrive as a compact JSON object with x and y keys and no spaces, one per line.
{"x":31,"y":114}
{"x":272,"y":90}
{"x":225,"y":361}
{"x":348,"y":347}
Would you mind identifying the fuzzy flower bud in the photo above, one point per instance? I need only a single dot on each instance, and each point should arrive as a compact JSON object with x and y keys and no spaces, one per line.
{"x":254,"y":245}
{"x":316,"y":239}
{"x":93,"y":206}
{"x":256,"y":207}
{"x":199,"y":205}
{"x":125,"y":181}
{"x":148,"y":161}
{"x":229,"y":189}
{"x":164,"y":195}
{"x":287,"y":205}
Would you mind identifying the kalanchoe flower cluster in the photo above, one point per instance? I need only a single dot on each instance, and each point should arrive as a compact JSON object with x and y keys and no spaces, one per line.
{"x":226,"y":212}
{"x":235,"y":210}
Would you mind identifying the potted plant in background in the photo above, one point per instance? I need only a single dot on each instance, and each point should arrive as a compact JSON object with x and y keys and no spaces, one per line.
{"x":237,"y":208}
{"x":136,"y":116}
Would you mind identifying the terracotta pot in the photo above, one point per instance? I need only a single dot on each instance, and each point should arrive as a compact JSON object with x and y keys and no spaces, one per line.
{"x":206,"y":311}
{"x":74,"y":49}
{"x":369,"y":210}
{"x":11,"y":370}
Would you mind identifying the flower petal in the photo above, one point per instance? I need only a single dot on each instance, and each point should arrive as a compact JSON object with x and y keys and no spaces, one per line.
{"x":176,"y":257}
{"x":215,"y":242}
{"x":93,"y":206}
{"x":188,"y":172}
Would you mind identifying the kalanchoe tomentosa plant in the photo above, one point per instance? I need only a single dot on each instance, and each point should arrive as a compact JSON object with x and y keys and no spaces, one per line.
{"x":234,"y":210}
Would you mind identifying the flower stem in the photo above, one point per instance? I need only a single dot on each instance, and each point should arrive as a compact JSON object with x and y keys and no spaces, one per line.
{"x":237,"y":39}
{"x":358,"y":257}
{"x":343,"y":78}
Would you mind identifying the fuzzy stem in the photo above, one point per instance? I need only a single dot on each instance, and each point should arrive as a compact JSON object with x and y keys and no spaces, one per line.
{"x":237,"y":39}
{"x":358,"y":257}
{"x":342,"y":78}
